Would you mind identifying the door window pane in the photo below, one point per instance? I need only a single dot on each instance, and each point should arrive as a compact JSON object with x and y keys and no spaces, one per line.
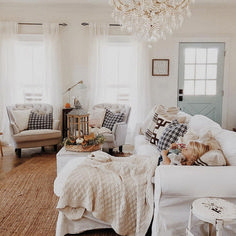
{"x":212,"y":55}
{"x":211,"y":87}
{"x":200,"y":87}
{"x":211,"y":72}
{"x":189,"y":72}
{"x":201,"y":55}
{"x":190,"y":55}
{"x":200,"y":71}
{"x":189,"y":87}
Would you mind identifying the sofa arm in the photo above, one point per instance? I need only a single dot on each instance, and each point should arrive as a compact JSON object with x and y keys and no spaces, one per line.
{"x":176,"y":187}
{"x":196,"y":181}
{"x":119,"y":132}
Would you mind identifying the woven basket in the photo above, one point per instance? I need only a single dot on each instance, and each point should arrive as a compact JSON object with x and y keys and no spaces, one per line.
{"x":80,"y":148}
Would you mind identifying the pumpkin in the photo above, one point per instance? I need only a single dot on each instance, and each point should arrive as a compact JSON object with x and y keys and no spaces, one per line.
{"x":67,"y":105}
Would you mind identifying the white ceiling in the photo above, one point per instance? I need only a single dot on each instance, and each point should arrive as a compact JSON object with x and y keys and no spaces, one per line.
{"x":103,"y":2}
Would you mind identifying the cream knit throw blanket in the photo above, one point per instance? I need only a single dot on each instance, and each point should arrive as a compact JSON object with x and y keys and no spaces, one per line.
{"x":117,"y":190}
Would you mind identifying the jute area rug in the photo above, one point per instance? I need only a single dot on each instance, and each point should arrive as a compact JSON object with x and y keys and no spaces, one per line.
{"x":27,"y":201}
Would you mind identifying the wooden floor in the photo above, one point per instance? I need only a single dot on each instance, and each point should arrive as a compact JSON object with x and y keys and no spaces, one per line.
{"x":9,"y":161}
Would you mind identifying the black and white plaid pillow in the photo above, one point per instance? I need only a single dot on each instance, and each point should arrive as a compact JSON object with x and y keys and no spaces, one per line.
{"x":40,"y":121}
{"x":171,"y":134}
{"x":112,"y":118}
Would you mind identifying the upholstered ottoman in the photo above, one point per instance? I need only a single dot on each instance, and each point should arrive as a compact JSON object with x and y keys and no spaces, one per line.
{"x":63,"y":157}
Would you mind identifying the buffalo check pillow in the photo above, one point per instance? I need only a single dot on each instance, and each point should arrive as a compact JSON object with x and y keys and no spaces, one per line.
{"x":112,"y":118}
{"x":171,"y":134}
{"x":40,"y":121}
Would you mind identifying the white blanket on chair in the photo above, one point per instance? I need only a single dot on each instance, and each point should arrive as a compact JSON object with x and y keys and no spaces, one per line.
{"x":117,"y":190}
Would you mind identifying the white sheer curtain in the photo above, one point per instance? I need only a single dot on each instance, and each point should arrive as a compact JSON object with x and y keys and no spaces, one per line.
{"x":97,"y":36}
{"x":137,"y":73}
{"x":8,"y":32}
{"x":53,"y":67}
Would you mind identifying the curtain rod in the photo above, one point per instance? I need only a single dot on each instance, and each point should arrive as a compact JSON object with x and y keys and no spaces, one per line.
{"x":86,"y":23}
{"x":27,"y":23}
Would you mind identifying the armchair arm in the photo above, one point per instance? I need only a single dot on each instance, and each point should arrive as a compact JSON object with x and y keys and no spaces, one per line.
{"x":13,"y":128}
{"x":56,"y":124}
{"x":119,"y":132}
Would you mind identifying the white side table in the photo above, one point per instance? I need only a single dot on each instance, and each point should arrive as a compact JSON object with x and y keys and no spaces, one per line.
{"x":214,"y":211}
{"x":63,"y":157}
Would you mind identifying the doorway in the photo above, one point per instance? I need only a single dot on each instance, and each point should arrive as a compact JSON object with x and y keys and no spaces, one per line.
{"x":200,"y":83}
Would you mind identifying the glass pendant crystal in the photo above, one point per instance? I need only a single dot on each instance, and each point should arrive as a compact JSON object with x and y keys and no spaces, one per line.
{"x":150,"y":20}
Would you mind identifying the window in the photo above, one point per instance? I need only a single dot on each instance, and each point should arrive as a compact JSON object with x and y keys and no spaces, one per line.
{"x":118,"y":71}
{"x":30,"y":69}
{"x":200,"y":71}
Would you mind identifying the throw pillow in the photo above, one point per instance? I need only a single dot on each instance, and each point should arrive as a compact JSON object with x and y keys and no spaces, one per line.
{"x":158,"y":125}
{"x":188,"y":136}
{"x":21,"y":118}
{"x":208,"y":139}
{"x":40,"y":121}
{"x":112,"y":118}
{"x":96,"y":118}
{"x":211,"y":158}
{"x":171,"y":134}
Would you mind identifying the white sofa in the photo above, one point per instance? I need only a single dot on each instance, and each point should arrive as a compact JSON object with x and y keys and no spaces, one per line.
{"x":176,"y":187}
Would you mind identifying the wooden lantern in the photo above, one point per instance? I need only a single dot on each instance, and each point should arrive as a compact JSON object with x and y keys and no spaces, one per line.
{"x":77,"y":123}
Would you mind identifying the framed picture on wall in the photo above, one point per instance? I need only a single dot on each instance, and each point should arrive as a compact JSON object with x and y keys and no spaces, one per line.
{"x":160,"y":67}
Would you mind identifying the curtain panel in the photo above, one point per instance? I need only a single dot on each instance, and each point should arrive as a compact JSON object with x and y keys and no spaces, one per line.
{"x":137,"y":73}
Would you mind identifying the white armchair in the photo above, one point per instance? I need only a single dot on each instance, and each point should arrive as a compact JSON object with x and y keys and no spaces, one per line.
{"x":119,"y":131}
{"x":23,"y":137}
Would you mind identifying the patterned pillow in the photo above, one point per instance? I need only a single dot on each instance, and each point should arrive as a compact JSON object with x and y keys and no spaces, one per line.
{"x":156,"y":128}
{"x":171,"y":134}
{"x":40,"y":121}
{"x":112,"y":118}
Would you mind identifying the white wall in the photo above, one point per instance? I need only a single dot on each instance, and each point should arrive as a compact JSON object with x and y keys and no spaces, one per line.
{"x":206,"y":24}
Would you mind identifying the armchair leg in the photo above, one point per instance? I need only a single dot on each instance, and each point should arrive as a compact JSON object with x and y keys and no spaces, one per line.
{"x":18,"y":152}
{"x":43,"y":149}
{"x":120,"y":148}
{"x":55,"y":148}
{"x":110,"y":151}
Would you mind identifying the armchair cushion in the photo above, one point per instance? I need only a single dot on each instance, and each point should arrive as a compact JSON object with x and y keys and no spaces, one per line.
{"x":96,"y":117}
{"x":112,"y":118}
{"x":40,"y":121}
{"x":35,"y":135}
{"x":21,"y":118}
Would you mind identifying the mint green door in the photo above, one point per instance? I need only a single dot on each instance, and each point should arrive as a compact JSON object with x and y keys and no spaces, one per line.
{"x":201,"y":70}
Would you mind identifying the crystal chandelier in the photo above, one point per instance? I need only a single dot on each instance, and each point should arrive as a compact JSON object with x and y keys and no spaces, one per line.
{"x":150,"y":20}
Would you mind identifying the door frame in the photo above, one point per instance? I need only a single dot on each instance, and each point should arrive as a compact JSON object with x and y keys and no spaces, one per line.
{"x":226,"y":82}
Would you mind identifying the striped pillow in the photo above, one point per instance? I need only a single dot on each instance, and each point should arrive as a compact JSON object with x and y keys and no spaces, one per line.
{"x":211,"y":158}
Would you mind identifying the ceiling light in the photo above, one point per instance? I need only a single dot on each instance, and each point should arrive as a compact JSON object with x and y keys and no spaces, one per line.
{"x":150,"y":20}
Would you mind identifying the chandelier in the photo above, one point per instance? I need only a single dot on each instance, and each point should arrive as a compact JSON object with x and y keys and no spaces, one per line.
{"x":150,"y":20}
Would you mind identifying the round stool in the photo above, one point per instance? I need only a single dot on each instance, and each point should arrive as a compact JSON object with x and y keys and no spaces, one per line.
{"x":1,"y":145}
{"x":214,"y":211}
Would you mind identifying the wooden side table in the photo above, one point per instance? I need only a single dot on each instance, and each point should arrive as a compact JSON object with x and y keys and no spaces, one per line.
{"x":214,"y":211}
{"x":65,"y":111}
{"x":1,"y":145}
